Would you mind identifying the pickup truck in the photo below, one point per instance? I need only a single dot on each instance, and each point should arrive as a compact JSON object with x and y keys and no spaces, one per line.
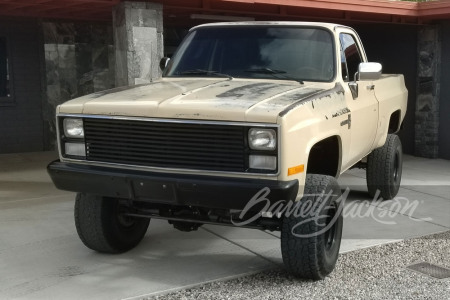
{"x":250,"y":125}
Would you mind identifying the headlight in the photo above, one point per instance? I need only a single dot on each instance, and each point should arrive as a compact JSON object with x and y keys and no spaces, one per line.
{"x":73,"y":128}
{"x":262,"y":139}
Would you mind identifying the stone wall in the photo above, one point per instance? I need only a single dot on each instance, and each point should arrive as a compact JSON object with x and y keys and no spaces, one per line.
{"x":428,"y":92}
{"x":444,"y":105}
{"x":79,"y":59}
{"x":398,"y":55}
{"x":21,"y":117}
{"x":138,"y":36}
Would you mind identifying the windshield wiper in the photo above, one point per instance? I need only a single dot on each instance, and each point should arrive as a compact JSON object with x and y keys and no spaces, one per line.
{"x":265,"y":71}
{"x":204,"y":72}
{"x":275,"y":73}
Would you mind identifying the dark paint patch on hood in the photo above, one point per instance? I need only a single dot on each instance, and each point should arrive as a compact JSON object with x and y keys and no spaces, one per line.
{"x":337,"y":89}
{"x":290,"y":98}
{"x":257,"y":89}
{"x":232,"y":100}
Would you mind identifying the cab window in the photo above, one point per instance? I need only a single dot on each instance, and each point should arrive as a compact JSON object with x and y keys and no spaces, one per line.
{"x":350,"y":56}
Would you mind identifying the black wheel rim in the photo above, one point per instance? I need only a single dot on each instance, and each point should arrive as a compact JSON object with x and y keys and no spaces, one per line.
{"x":123,"y":219}
{"x":330,"y":234}
{"x":396,"y":169}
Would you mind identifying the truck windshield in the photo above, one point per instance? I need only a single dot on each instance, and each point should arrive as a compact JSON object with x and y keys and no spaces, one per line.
{"x":269,"y":52}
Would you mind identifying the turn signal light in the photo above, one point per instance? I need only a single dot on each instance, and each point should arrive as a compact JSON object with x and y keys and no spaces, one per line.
{"x":296,"y":170}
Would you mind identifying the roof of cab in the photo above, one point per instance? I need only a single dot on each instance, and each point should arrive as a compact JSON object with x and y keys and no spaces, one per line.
{"x":330,"y":26}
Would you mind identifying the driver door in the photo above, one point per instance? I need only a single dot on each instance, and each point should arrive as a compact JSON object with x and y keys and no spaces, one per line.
{"x":362,"y":103}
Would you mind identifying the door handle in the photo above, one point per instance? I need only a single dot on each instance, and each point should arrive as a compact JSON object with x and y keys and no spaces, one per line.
{"x":371,"y":87}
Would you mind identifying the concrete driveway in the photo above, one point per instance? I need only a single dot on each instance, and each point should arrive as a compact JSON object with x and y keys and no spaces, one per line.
{"x":41,"y":256}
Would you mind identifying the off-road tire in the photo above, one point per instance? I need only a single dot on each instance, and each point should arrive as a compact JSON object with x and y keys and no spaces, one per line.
{"x":314,"y":255}
{"x":384,"y":168}
{"x":102,"y":227}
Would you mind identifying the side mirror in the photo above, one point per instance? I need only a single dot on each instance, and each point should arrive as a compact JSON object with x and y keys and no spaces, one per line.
{"x":163,"y":63}
{"x":369,"y":71}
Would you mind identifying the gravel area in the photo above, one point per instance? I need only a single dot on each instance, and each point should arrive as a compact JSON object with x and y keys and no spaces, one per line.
{"x":374,"y":273}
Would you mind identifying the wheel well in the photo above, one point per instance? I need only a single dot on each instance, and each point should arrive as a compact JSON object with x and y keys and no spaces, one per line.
{"x":324,"y":157}
{"x":394,"y":122}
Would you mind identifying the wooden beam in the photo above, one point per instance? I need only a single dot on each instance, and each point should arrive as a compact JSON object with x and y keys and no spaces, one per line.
{"x":349,"y":10}
{"x":373,"y":6}
{"x":434,"y":9}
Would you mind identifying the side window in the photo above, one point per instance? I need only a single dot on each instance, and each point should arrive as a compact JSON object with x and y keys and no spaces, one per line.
{"x":350,"y":56}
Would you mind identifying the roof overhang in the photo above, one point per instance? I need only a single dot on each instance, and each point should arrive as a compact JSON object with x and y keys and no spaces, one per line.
{"x":181,"y":11}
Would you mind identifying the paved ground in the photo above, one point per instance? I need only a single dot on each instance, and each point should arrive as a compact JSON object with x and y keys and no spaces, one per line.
{"x":378,"y":272}
{"x":41,"y":256}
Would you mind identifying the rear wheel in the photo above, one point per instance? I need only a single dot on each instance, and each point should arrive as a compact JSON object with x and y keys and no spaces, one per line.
{"x":384,"y":168}
{"x":103,"y":226}
{"x":310,"y":241}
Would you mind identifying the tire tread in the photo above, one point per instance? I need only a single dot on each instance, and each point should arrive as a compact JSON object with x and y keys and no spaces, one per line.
{"x":378,"y":171}
{"x":96,"y":228}
{"x":301,"y":255}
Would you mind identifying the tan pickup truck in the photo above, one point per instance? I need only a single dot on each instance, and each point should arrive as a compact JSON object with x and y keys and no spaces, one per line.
{"x":249,"y":126}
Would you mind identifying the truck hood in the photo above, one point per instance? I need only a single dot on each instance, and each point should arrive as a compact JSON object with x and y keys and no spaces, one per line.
{"x":223,"y":99}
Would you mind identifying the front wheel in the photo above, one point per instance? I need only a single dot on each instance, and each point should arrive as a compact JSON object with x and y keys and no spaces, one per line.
{"x":311,"y":237}
{"x":103,"y":226}
{"x":384,"y":168}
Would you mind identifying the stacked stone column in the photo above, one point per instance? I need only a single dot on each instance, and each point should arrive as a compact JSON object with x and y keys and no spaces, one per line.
{"x":138,"y":39}
{"x":428,"y":92}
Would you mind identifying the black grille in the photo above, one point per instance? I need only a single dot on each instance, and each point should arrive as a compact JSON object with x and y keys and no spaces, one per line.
{"x":166,"y":144}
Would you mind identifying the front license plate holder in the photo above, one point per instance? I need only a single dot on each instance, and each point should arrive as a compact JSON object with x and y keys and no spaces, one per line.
{"x":153,"y":191}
